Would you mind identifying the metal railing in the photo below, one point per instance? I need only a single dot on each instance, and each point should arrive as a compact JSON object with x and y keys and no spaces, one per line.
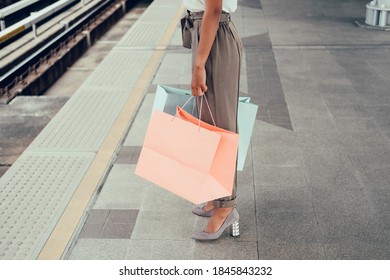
{"x":12,"y":9}
{"x":33,"y":20}
{"x":16,"y":75}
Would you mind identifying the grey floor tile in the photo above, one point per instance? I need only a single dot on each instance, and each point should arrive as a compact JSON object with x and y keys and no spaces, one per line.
{"x":355,"y":124}
{"x":273,"y":175}
{"x":247,"y":211}
{"x":369,"y":156}
{"x":128,"y":155}
{"x":312,"y":123}
{"x":159,"y":249}
{"x":278,"y":250}
{"x":91,"y":231}
{"x":379,"y":198}
{"x":348,"y":111}
{"x":281,"y":156}
{"x":308,"y":110}
{"x":285,"y":227}
{"x":284,"y":199}
{"x":164,"y":225}
{"x":344,"y":201}
{"x":139,"y":126}
{"x":318,"y":139}
{"x":117,"y":231}
{"x":99,"y":249}
{"x":359,"y":250}
{"x":363,"y":139}
{"x":273,"y":138}
{"x":341,"y":98}
{"x":245,"y":177}
{"x":123,"y":189}
{"x":229,"y":248}
{"x":109,"y":224}
{"x":332,"y":176}
{"x":157,"y":199}
{"x":95,"y":223}
{"x":178,"y":63}
{"x":325,"y":157}
{"x":374,"y":176}
{"x":336,"y":227}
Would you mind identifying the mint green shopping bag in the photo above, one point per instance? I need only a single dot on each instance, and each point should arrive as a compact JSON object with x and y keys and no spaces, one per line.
{"x":246,"y":120}
{"x":167,"y":98}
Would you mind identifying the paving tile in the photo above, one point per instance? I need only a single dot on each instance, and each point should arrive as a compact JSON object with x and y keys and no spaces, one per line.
{"x":364,"y":139}
{"x":332,"y":176}
{"x":178,"y":63}
{"x":117,"y":231}
{"x":156,"y":249}
{"x":373,"y":176}
{"x":355,"y":124}
{"x":229,"y":248}
{"x":3,"y":169}
{"x":122,"y":189}
{"x":325,"y":157}
{"x":312,"y":123}
{"x":318,"y":139}
{"x":312,"y":110}
{"x":95,"y":223}
{"x":99,"y":249}
{"x":345,"y":201}
{"x":273,"y":175}
{"x":91,"y":230}
{"x":139,"y":126}
{"x":246,"y":209}
{"x":269,"y":136}
{"x":362,"y":157}
{"x":157,"y":198}
{"x":379,"y":198}
{"x":128,"y":155}
{"x":281,"y":156}
{"x":245,"y":177}
{"x":357,"y":250}
{"x":164,"y":224}
{"x":336,"y":89}
{"x":348,"y":111}
{"x":336,"y":227}
{"x":119,"y":224}
{"x":98,"y":216}
{"x":288,"y":227}
{"x":341,"y":98}
{"x":109,"y":223}
{"x":284,"y":199}
{"x":280,"y":250}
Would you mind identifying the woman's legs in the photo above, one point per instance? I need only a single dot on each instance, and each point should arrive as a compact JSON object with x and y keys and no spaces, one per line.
{"x":223,"y":76}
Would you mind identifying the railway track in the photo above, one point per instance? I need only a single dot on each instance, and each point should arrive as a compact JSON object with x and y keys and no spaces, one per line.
{"x":31,"y":64}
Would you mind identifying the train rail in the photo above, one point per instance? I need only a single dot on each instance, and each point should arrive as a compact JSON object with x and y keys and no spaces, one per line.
{"x":35,"y":71}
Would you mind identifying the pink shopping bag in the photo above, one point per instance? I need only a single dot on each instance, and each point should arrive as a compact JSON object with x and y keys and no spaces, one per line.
{"x":182,"y":156}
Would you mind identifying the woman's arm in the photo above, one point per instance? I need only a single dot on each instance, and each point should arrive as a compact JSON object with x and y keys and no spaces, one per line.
{"x":210,"y":23}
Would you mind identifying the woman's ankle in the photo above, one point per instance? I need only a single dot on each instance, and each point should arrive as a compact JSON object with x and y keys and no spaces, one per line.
{"x":209,"y":206}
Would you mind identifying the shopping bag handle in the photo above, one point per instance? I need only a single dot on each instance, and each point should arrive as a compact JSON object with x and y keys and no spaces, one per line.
{"x":208,"y":106}
{"x":200,"y":109}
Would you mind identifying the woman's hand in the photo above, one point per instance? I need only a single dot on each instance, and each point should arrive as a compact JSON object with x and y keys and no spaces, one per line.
{"x":198,"y":83}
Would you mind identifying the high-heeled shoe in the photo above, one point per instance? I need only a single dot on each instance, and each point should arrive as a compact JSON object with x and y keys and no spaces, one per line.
{"x":199,"y":210}
{"x":230,"y":221}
